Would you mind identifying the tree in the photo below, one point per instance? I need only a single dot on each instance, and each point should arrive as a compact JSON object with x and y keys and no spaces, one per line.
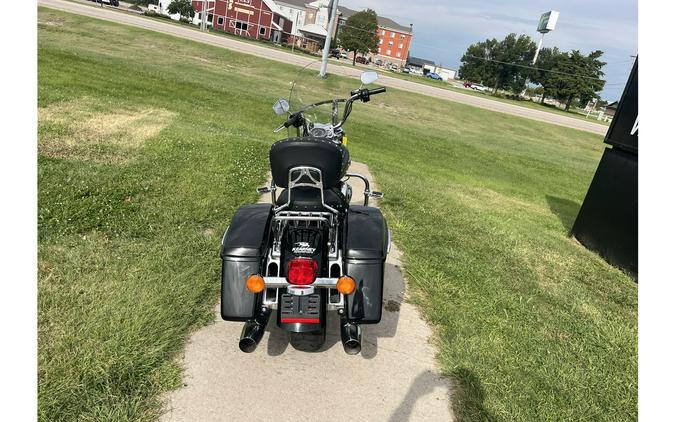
{"x":577,"y":77}
{"x":182,"y":7}
{"x":476,"y":65}
{"x":500,"y":64}
{"x":548,"y":60}
{"x":359,"y":33}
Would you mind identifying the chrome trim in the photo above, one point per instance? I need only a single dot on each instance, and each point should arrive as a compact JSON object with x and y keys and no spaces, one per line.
{"x":281,"y":283}
{"x":366,"y":190}
{"x":314,"y":182}
{"x":301,"y":290}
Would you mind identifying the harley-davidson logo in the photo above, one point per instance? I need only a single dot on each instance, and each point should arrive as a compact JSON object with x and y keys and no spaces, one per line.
{"x":303,"y":248}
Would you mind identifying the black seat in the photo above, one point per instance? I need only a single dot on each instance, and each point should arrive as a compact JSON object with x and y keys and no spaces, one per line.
{"x":309,"y":199}
{"x":329,"y":157}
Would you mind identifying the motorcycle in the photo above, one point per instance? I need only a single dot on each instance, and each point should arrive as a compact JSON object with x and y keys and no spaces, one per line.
{"x":308,"y":252}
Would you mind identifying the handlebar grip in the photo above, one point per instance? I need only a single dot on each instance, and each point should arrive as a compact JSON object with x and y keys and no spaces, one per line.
{"x":378,"y":90}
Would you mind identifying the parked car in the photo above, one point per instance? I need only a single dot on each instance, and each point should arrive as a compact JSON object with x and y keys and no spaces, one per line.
{"x":379,"y":62}
{"x":344,"y":55}
{"x":362,"y":60}
{"x":394,"y":67}
{"x":478,"y":87}
{"x":406,"y":69}
{"x":467,"y":84}
{"x":434,"y":76}
{"x":334,"y":53}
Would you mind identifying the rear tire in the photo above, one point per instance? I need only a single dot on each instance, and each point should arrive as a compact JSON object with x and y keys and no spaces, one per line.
{"x":308,"y":342}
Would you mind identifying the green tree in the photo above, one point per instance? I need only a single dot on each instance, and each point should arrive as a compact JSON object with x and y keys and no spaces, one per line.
{"x":500,"y":64}
{"x":547,"y":61}
{"x":476,"y":64}
{"x":578,"y":77}
{"x":359,"y":33}
{"x":182,"y":7}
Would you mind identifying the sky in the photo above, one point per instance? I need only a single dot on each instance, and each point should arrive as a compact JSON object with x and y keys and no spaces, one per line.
{"x":442,"y":30}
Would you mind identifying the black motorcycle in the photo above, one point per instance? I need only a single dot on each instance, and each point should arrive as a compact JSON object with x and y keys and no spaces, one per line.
{"x":309,"y":252}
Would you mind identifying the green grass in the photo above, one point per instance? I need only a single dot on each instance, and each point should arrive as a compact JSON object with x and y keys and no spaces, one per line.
{"x":147,"y":146}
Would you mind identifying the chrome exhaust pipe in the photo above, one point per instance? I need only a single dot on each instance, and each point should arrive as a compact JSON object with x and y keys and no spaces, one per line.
{"x":351,"y":337}
{"x":253,"y":331}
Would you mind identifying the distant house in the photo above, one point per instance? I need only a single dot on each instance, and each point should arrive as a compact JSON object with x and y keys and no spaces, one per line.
{"x":610,"y":109}
{"x":424,"y":66}
{"x":417,"y":65}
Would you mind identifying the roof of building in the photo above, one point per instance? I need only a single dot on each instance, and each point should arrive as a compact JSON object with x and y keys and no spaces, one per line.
{"x":300,"y":4}
{"x":314,"y":29}
{"x":275,"y":8}
{"x":381,"y":20}
{"x":416,"y":61}
{"x":613,"y":105}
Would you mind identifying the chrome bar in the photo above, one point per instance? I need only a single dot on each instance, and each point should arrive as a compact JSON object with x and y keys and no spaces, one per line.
{"x":366,"y":192}
{"x":281,"y":282}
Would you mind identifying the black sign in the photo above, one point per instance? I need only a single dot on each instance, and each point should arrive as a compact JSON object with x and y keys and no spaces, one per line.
{"x":623,"y":132}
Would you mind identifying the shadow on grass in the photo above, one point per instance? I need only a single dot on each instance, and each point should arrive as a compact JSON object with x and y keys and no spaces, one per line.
{"x":468,"y":397}
{"x":565,"y":209}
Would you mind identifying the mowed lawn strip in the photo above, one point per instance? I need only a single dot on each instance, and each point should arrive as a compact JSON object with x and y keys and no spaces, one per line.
{"x":148,"y":144}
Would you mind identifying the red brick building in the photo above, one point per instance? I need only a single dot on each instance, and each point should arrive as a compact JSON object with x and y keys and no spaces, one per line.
{"x":259,"y":19}
{"x":395,"y":39}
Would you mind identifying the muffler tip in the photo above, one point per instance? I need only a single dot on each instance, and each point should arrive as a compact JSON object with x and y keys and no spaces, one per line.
{"x":247,"y":345}
{"x":352,"y":347}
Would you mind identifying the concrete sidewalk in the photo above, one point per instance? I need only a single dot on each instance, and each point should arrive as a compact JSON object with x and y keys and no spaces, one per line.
{"x":393,"y":379}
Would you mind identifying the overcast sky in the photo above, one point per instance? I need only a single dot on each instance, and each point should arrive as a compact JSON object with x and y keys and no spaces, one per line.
{"x":444,"y":29}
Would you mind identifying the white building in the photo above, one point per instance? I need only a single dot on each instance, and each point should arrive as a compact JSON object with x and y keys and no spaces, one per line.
{"x":296,"y":10}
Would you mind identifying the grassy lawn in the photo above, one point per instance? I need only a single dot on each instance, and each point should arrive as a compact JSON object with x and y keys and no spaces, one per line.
{"x":149,"y":143}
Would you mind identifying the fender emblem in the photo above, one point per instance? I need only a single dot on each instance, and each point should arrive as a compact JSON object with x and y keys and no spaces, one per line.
{"x":303,"y":248}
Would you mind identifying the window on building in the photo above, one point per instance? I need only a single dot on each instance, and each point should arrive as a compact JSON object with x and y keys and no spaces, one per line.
{"x":388,"y":52}
{"x":210,"y":18}
{"x":262,"y":30}
{"x":384,"y":32}
{"x":391,"y":43}
{"x":402,"y":36}
{"x":398,"y":54}
{"x":241,"y":25}
{"x":400,"y":45}
{"x":381,"y":42}
{"x":379,"y":50}
{"x":391,"y":35}
{"x":220,"y":20}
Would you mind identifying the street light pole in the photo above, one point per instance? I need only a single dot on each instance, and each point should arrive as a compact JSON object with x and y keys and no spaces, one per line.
{"x":329,"y":37}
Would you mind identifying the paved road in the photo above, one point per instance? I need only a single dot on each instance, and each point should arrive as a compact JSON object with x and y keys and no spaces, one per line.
{"x":282,"y":56}
{"x":393,"y":379}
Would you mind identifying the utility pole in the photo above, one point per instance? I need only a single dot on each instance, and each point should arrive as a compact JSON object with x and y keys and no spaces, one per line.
{"x":329,"y":37}
{"x":295,"y":30}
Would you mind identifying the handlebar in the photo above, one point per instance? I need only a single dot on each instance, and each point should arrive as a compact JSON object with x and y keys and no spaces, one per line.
{"x":363,"y":94}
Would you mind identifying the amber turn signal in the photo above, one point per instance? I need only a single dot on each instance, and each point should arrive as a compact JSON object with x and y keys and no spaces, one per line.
{"x":345,"y":285}
{"x":255,"y":283}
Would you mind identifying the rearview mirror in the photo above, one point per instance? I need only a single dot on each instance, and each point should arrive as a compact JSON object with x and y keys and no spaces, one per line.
{"x":281,"y":106}
{"x":369,"y":77}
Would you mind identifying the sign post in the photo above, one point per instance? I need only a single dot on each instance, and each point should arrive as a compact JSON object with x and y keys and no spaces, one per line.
{"x":547,"y":22}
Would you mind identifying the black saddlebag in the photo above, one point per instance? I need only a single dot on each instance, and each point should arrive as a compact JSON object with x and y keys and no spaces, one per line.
{"x":243,"y":248}
{"x":366,"y":240}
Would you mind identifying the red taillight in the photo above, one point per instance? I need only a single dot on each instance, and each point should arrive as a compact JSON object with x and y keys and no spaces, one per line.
{"x":301,"y":271}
